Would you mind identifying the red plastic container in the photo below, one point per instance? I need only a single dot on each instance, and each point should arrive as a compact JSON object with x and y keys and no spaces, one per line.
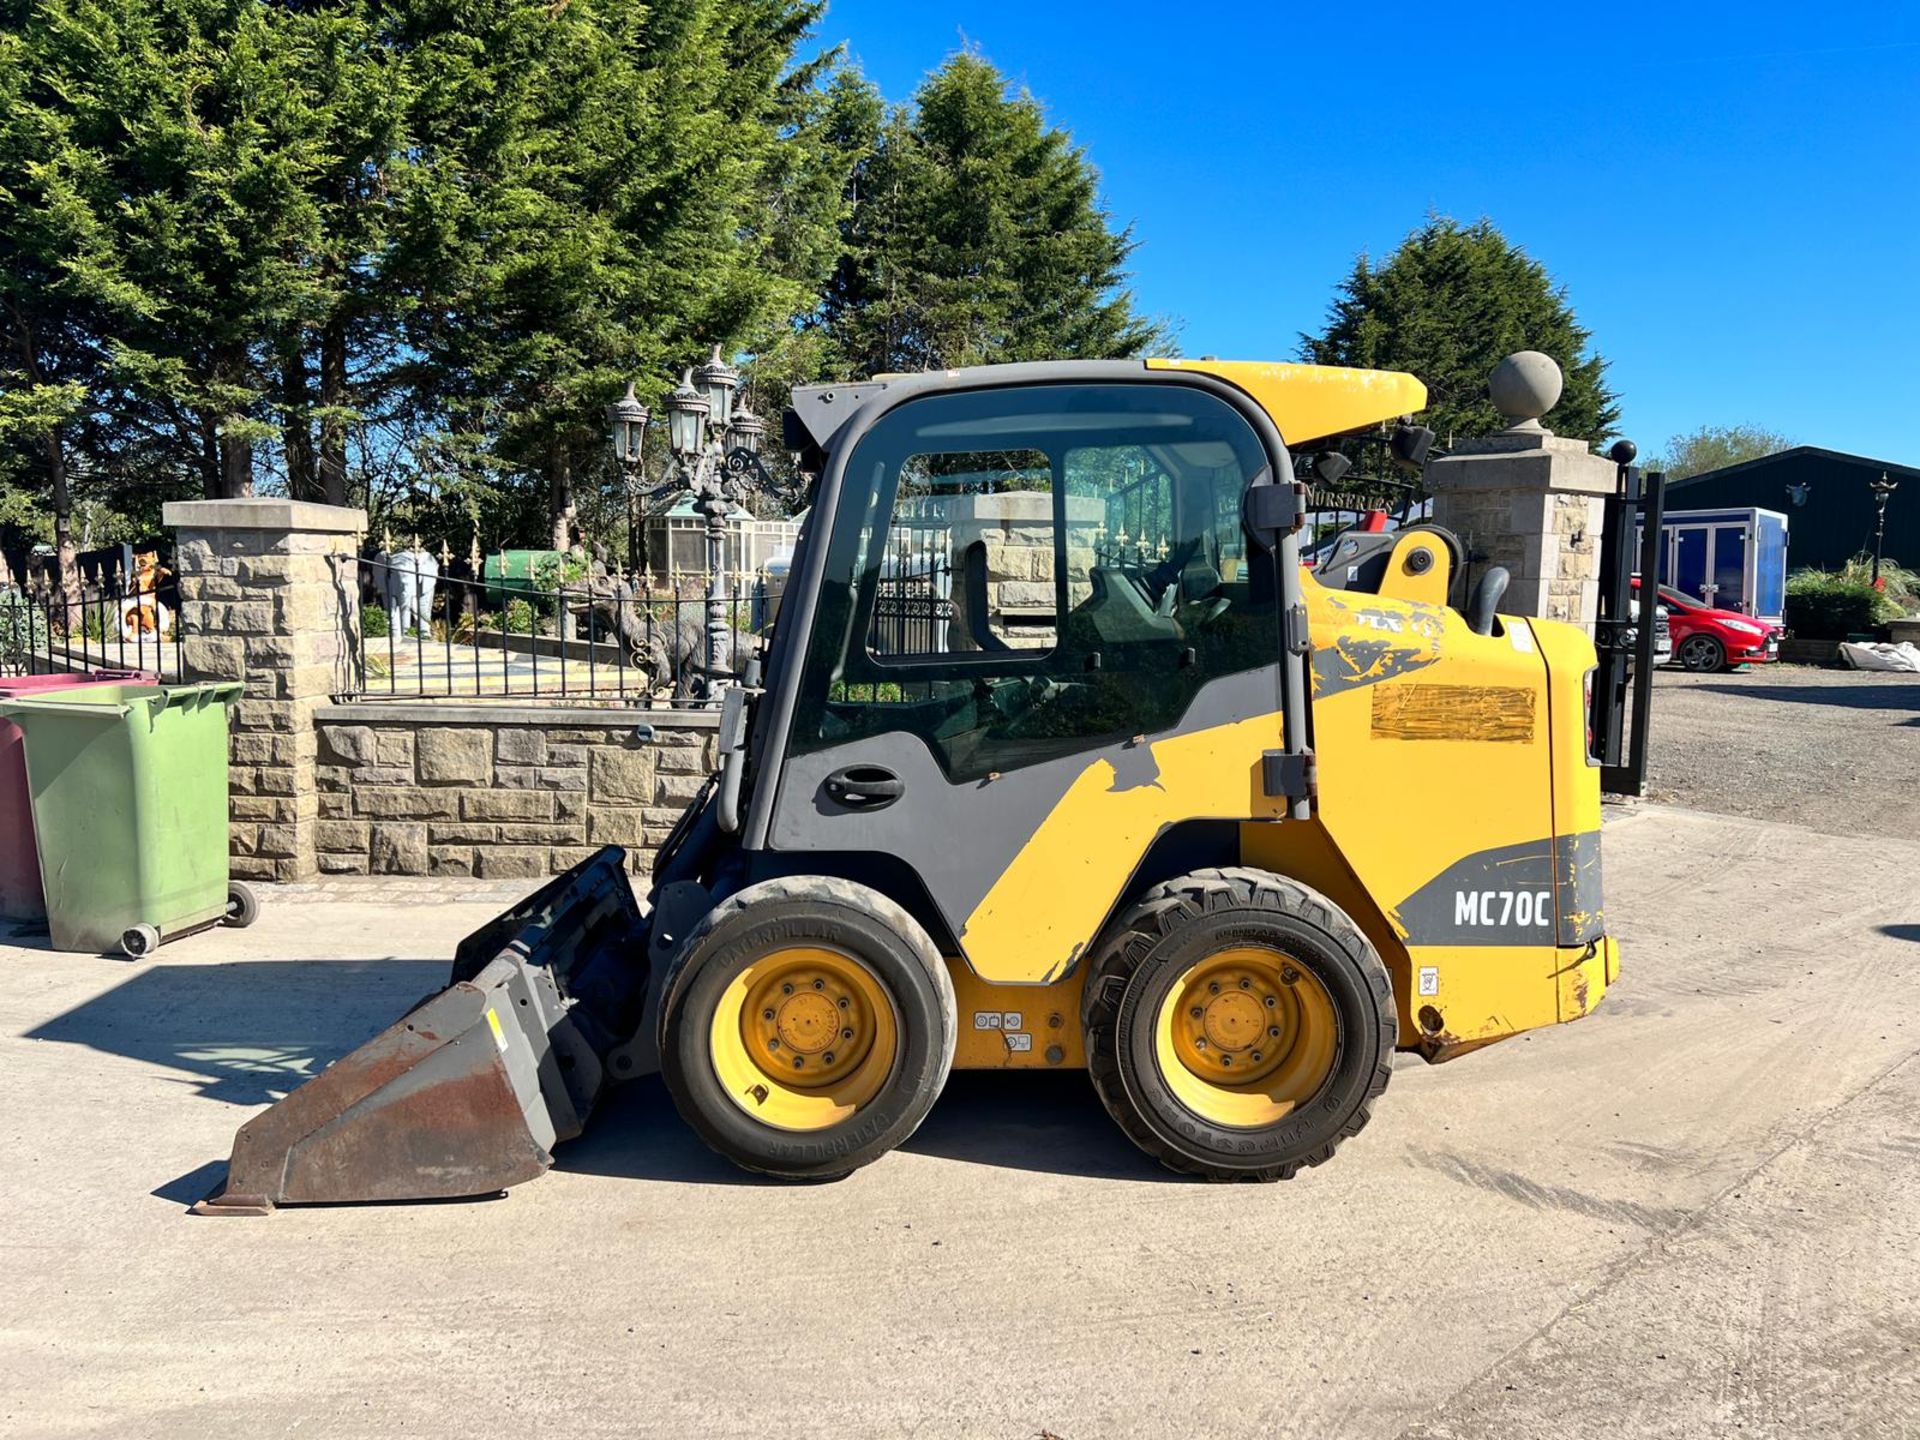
{"x":21,"y":897}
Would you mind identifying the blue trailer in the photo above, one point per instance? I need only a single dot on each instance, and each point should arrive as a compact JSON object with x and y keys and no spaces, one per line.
{"x":1734,"y":559}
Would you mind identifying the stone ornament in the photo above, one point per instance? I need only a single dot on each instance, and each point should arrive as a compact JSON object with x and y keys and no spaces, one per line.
{"x":1525,"y":386}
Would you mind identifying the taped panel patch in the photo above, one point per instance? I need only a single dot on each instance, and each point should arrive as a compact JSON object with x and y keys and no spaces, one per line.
{"x":1454,"y":712}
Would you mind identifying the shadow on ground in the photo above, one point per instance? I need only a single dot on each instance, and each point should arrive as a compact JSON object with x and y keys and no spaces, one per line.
{"x":1044,"y":1120}
{"x":1896,"y":692}
{"x":252,"y":1030}
{"x":1032,"y":1121}
{"x":249,"y":1032}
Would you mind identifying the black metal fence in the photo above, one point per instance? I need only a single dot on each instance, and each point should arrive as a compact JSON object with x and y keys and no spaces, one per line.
{"x":103,"y":620}
{"x":430,"y":631}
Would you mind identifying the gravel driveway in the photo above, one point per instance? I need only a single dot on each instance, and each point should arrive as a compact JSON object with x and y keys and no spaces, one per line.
{"x":1834,"y":750}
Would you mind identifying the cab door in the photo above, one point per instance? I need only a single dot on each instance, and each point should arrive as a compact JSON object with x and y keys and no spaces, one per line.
{"x":1040,"y":639}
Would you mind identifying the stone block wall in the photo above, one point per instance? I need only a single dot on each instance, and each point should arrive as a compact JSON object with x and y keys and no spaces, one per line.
{"x":267,"y":598}
{"x":499,"y":791}
{"x":1535,"y":503}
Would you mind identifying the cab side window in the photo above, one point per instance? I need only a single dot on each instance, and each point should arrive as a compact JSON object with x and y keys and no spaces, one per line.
{"x":1019,"y":575}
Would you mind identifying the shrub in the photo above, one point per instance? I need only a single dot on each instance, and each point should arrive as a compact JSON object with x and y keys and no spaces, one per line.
{"x":1899,"y":585}
{"x":1824,"y":606}
{"x":519,"y":617}
{"x":373,"y":621}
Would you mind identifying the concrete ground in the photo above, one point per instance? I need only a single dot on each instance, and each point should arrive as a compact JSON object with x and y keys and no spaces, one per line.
{"x":1694,"y":1214}
{"x":1834,"y":750}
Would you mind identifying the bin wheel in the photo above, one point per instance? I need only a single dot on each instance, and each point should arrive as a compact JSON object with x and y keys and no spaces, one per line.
{"x":139,"y":941}
{"x":243,"y":906}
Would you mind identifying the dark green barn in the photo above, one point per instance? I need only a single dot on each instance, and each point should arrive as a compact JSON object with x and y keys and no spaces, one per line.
{"x":1824,"y":495}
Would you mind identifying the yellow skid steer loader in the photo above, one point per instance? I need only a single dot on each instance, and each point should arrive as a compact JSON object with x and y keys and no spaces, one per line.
{"x":1058,"y":757}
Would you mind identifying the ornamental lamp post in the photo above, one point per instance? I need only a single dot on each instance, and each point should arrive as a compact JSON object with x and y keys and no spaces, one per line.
{"x":713,"y":441}
{"x":627,"y":424}
{"x":1882,"y":489}
{"x":747,"y":431}
{"x":687,"y":411}
{"x":717,"y":381}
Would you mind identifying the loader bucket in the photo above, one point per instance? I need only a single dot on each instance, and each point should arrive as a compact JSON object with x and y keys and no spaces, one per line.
{"x":470,"y":1091}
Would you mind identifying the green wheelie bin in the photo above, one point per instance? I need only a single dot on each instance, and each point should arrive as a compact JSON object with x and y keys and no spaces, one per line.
{"x":129,"y":789}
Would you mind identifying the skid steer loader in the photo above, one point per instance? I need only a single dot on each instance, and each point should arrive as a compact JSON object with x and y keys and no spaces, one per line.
{"x":1057,"y":758}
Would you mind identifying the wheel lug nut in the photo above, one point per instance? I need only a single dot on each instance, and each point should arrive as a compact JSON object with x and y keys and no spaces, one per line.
{"x":1274,"y":1031}
{"x":787,"y":989}
{"x":843,"y":1002}
{"x":773,"y":1042}
{"x":1199,"y":1042}
{"x":1272,"y":1000}
{"x":1256,"y":1057}
{"x":1196,"y":1012}
{"x":798,"y":1063}
{"x":819,"y":984}
{"x":1213,"y":987}
{"x":1226,"y":1059}
{"x":1289,"y":975}
{"x":846,"y":1033}
{"x":827,"y":1059}
{"x":767,"y":1014}
{"x":1246,"y":984}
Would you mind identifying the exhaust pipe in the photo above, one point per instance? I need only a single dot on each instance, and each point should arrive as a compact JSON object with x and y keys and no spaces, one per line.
{"x":470,"y":1091}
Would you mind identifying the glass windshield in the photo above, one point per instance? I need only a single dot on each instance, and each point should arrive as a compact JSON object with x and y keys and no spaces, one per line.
{"x":1055,"y":567}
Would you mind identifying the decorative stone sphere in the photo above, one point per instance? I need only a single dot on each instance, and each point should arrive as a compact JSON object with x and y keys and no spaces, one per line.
{"x":1525,"y":386}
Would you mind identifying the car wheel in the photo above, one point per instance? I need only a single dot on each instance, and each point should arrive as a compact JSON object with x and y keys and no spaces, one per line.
{"x":1702,"y":654}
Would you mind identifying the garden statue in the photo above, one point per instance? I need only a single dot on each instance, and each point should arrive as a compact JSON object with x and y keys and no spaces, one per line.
{"x":407,"y":580}
{"x":141,"y":613}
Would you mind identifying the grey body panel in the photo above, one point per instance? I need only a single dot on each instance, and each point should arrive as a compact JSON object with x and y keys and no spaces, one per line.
{"x":960,"y":838}
{"x":867,"y":402}
{"x":1540,"y":892}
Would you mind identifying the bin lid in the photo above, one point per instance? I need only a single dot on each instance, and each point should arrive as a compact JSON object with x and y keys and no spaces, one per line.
{"x":122,"y":701}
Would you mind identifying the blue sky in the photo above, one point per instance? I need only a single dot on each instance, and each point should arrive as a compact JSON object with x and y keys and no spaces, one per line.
{"x":1729,"y":193}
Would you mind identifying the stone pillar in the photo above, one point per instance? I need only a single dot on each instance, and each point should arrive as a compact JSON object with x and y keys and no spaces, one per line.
{"x":268,"y":599}
{"x":1529,"y":500}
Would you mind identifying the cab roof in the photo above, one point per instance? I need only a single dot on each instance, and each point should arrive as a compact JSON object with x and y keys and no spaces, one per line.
{"x":1305,"y":402}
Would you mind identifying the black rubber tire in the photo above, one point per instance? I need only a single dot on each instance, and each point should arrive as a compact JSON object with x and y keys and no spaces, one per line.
{"x":243,"y":906}
{"x":1712,"y":655}
{"x":844,"y":916}
{"x":1174,"y":927}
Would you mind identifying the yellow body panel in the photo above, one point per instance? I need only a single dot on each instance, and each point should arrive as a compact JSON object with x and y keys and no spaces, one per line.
{"x":1048,"y":904}
{"x":1313,"y":402}
{"x":1435,"y":746}
{"x":1404,"y":581}
{"x":1017,"y":1027}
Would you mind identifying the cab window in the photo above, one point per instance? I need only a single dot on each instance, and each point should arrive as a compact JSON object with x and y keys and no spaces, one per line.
{"x":1019,"y":575}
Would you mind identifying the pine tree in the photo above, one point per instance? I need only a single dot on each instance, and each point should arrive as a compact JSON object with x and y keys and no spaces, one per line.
{"x":976,"y":234}
{"x":597,"y":191}
{"x":1449,"y":305}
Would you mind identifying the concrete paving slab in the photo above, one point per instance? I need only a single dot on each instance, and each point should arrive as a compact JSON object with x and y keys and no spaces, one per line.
{"x":1694,"y":1213}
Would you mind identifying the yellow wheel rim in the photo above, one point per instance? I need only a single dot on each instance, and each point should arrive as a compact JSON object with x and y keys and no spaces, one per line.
{"x":1246,"y":1037}
{"x":803,"y":1038}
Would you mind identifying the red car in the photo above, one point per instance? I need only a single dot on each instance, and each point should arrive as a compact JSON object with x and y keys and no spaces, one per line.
{"x":1706,"y":639}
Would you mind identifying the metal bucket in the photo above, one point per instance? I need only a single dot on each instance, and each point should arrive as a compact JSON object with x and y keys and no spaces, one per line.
{"x":471,"y":1090}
